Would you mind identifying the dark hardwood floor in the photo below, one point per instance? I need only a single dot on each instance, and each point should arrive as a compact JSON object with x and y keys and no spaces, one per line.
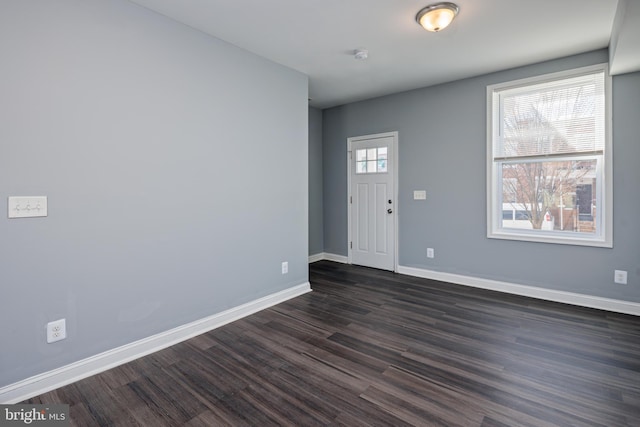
{"x":371,"y":348}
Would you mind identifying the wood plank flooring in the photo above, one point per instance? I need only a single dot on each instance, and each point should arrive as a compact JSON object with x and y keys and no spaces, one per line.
{"x":371,"y":348}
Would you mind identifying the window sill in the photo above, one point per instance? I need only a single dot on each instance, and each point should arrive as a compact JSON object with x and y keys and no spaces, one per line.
{"x":554,"y":238}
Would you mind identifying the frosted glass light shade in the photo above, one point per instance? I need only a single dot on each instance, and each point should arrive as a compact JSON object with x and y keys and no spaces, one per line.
{"x":437,"y":16}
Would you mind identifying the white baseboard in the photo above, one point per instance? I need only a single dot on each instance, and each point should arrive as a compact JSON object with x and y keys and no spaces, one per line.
{"x":329,"y":257}
{"x":336,"y":258}
{"x":316,"y":257}
{"x":42,"y":383}
{"x":590,"y":301}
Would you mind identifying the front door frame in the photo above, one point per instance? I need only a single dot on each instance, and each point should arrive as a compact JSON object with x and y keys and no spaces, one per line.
{"x":394,"y":136}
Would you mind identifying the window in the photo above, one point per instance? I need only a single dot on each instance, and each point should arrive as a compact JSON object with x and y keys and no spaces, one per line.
{"x":549,"y":159}
{"x":371,"y":160}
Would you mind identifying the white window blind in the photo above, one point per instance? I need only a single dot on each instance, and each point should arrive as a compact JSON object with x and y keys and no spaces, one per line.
{"x":552,"y":118}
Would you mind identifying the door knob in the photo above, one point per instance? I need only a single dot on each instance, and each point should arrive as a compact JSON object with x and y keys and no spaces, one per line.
{"x":389,"y":211}
{"x":390,"y":201}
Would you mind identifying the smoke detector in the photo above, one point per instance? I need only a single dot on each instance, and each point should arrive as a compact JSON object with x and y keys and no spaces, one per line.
{"x":361,"y":54}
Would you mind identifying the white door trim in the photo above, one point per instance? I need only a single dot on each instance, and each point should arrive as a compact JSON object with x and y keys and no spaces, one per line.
{"x":394,"y":136}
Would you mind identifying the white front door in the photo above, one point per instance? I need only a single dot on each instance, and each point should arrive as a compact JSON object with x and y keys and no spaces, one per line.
{"x":372,"y":201}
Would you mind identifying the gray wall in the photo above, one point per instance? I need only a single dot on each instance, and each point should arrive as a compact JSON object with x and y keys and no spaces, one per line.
{"x":442,"y":140}
{"x":316,"y":237}
{"x":176,"y":170}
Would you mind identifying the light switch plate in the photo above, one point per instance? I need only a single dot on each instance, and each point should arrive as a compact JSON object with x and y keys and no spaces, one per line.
{"x":27,"y":207}
{"x":420,"y":195}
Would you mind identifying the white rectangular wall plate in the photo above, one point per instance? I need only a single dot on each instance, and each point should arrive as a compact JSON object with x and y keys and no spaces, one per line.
{"x":419,"y":195}
{"x":27,"y":207}
{"x":56,"y":330}
{"x":620,"y":277}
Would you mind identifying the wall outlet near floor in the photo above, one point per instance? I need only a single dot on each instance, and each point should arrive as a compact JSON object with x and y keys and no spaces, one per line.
{"x":56,"y":330}
{"x":430,"y":253}
{"x":285,"y":267}
{"x":620,"y":276}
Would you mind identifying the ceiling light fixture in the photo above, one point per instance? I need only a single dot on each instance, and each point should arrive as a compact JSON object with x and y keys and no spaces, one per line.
{"x":437,"y":16}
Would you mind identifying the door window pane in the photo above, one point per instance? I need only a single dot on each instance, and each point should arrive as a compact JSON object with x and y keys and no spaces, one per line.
{"x":371,"y":160}
{"x":361,"y":167}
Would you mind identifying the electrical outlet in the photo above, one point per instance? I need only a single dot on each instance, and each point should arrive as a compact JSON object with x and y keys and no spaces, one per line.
{"x":285,"y":267}
{"x":56,"y":330}
{"x":430,"y":253}
{"x":620,"y":277}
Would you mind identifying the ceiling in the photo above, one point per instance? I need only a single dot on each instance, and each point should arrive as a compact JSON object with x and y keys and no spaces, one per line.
{"x":318,"y":38}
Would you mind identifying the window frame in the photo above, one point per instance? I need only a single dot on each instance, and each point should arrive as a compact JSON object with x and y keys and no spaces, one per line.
{"x":604,"y":228}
